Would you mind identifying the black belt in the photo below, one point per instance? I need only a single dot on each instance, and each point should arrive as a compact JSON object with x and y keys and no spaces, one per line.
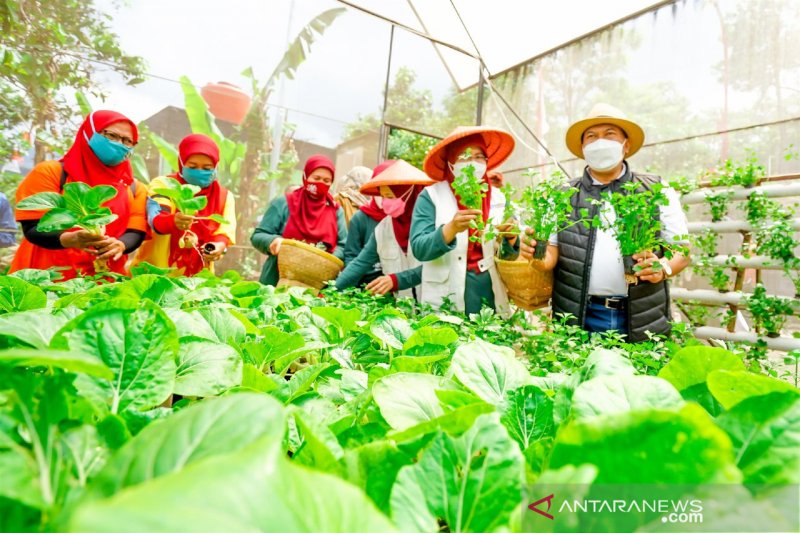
{"x":610,"y":302}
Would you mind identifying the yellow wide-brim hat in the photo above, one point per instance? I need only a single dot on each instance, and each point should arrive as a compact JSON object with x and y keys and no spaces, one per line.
{"x":499,"y":145}
{"x":604,"y":114}
{"x":395,"y":172}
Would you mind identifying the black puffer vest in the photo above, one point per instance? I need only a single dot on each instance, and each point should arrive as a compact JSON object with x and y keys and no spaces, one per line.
{"x":648,"y":303}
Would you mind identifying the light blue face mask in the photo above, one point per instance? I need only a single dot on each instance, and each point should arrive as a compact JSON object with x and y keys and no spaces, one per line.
{"x":109,"y":152}
{"x":198,"y":176}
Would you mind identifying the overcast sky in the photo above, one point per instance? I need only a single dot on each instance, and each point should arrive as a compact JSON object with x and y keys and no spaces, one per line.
{"x":214,"y":40}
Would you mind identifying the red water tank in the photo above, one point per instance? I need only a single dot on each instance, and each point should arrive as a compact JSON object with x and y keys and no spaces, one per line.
{"x":226,"y":101}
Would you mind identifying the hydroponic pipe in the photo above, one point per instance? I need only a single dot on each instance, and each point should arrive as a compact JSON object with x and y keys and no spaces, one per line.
{"x":781,"y":344}
{"x":741,"y":193}
{"x":730,"y":226}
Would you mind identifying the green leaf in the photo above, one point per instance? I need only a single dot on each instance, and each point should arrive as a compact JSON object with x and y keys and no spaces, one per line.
{"x":253,"y":489}
{"x":19,"y":479}
{"x":253,"y":378}
{"x":208,"y":428}
{"x":159,"y":289}
{"x":206,"y":368}
{"x":69,"y":361}
{"x":17,"y":326}
{"x":96,"y":221}
{"x":57,"y":219}
{"x":167,"y":150}
{"x":41,"y":200}
{"x":17,"y":295}
{"x":300,"y":383}
{"x":488,"y":370}
{"x":470,"y":483}
{"x":218,"y":219}
{"x":606,"y":395}
{"x":528,"y":415}
{"x":678,"y":447}
{"x":731,"y":387}
{"x":373,"y":467}
{"x":97,"y":196}
{"x":391,"y":328}
{"x":765,"y":431}
{"x":429,"y":340}
{"x":691,"y":365}
{"x":319,"y":448}
{"x":604,"y":362}
{"x":226,"y":327}
{"x":407,"y":399}
{"x":200,"y":119}
{"x":344,"y":319}
{"x":275,"y":343}
{"x":453,"y":422}
{"x":136,"y":341}
{"x":298,"y":50}
{"x":83,"y":103}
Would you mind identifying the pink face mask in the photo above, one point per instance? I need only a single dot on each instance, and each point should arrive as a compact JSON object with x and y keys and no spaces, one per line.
{"x":394,"y":207}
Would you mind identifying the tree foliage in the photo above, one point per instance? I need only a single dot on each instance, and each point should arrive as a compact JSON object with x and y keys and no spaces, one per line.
{"x":48,"y":47}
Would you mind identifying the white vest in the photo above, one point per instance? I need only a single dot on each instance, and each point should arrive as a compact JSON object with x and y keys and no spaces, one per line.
{"x":446,"y":276}
{"x":393,"y":258}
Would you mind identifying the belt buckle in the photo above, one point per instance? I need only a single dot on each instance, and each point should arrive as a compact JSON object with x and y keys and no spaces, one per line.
{"x":615,"y":301}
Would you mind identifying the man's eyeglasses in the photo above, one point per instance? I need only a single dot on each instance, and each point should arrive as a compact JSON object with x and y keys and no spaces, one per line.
{"x":111,"y":136}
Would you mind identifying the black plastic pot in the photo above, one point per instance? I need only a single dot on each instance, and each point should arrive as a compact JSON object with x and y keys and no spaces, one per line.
{"x":540,"y":249}
{"x":628,"y":261}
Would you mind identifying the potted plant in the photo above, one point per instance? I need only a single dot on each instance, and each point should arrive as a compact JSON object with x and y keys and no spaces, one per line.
{"x":546,"y":209}
{"x":78,"y":206}
{"x":636,"y":223}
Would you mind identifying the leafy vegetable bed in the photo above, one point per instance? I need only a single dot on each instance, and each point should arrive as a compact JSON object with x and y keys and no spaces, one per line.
{"x":297,"y":413}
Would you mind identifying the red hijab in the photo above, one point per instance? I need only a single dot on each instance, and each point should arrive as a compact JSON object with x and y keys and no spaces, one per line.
{"x":313,"y":220}
{"x":189,"y":258}
{"x":81,"y":164}
{"x":474,"y":249}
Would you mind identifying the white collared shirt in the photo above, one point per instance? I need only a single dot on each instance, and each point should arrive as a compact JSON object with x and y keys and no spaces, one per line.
{"x":607,"y":275}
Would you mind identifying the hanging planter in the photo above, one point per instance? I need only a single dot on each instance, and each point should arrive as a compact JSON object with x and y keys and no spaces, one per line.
{"x":226,"y":101}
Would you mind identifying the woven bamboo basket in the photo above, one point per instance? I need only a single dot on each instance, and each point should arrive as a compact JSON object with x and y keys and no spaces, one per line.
{"x":303,"y":265}
{"x":527,"y":287}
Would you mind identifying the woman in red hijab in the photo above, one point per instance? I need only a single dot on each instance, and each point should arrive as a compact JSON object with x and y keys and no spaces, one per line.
{"x":99,"y":156}
{"x":307,"y":214}
{"x":198,"y":156}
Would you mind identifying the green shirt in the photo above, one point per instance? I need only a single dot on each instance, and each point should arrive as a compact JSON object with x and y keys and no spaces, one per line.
{"x":272,"y":226}
{"x":364,"y":261}
{"x":362,"y":226}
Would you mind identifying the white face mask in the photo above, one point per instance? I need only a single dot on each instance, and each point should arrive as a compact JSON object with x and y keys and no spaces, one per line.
{"x":603,"y":154}
{"x":480,"y":168}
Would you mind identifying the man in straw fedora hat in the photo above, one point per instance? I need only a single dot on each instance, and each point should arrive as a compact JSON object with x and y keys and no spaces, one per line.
{"x":453,"y":265}
{"x":589,"y":281}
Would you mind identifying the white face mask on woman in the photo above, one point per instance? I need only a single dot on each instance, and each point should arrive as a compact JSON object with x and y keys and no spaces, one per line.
{"x":478,"y":166}
{"x":603,"y":154}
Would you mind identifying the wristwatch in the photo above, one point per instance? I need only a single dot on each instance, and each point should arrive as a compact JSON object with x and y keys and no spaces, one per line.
{"x":667,"y":268}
